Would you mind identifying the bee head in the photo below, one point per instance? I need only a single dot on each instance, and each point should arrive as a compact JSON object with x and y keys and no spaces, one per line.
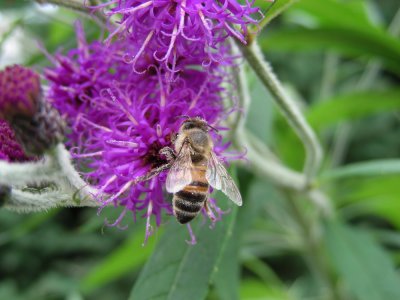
{"x":196,"y":122}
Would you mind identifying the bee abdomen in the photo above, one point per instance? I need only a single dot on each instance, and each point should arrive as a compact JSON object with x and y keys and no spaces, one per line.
{"x":191,"y":196}
{"x":187,"y":205}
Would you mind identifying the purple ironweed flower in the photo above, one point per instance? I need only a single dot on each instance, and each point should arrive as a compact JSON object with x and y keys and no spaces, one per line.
{"x":170,"y":31}
{"x":10,"y":149}
{"x":120,"y":120}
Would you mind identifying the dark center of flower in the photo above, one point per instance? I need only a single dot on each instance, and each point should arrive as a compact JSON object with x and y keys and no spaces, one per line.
{"x":153,"y":157}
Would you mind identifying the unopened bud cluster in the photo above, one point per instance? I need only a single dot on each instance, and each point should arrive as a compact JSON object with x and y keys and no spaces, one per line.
{"x":37,"y":126}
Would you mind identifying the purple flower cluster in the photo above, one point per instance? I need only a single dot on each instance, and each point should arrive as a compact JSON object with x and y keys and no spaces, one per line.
{"x":182,"y":31}
{"x":19,"y":90}
{"x":120,"y":118}
{"x":10,"y":149}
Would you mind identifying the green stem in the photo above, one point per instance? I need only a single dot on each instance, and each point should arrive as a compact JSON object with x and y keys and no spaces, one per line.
{"x":329,"y":75}
{"x":266,"y":166}
{"x":288,"y":107}
{"x":313,"y":251}
{"x":77,"y":6}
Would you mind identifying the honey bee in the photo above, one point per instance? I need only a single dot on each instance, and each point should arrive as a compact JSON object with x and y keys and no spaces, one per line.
{"x":193,"y":168}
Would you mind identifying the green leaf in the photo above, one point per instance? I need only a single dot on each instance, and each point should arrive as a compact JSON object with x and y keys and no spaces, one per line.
{"x":364,"y":267}
{"x":177,"y":270}
{"x":14,"y":4}
{"x":371,"y":195}
{"x":369,"y":168}
{"x":123,"y":260}
{"x":227,"y":279}
{"x":347,"y":41}
{"x":344,"y":26}
{"x":258,"y":290}
{"x":349,"y":14}
{"x":352,"y":106}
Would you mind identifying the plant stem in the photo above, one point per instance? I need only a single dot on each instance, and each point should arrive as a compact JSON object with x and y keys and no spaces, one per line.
{"x":77,"y":6}
{"x":313,"y":250}
{"x":267,"y":166}
{"x":288,"y":107}
{"x":21,"y":174}
{"x":63,"y":160}
{"x":56,"y":167}
{"x":262,"y":159}
{"x":25,"y":202}
{"x":328,"y":75}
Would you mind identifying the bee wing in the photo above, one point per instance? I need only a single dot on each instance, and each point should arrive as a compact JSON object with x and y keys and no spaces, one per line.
{"x":180,"y":174}
{"x":218,"y":178}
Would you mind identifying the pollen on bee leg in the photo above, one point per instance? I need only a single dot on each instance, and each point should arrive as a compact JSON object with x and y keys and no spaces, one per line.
{"x":149,"y":228}
{"x":193,"y":240}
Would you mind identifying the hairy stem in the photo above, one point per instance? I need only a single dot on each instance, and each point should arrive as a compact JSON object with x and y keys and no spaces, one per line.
{"x":288,"y":107}
{"x":263,"y":160}
{"x":267,"y":166}
{"x":55,"y":168}
{"x":25,"y":202}
{"x":63,"y":160}
{"x":21,"y":174}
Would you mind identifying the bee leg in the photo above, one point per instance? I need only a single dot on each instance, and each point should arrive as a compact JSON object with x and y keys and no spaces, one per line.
{"x":174,"y":137}
{"x":209,"y":212}
{"x":169,"y":153}
{"x":153,"y":172}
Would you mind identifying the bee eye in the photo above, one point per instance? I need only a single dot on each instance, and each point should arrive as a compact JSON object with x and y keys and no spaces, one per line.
{"x":189,"y":125}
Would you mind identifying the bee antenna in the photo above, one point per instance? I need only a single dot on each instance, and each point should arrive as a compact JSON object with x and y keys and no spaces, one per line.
{"x":213,"y":128}
{"x":182,"y":116}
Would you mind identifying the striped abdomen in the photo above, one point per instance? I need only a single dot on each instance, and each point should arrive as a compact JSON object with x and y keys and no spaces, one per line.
{"x":188,"y":202}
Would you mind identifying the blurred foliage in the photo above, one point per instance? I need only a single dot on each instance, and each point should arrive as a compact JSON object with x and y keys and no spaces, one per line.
{"x":340,"y":59}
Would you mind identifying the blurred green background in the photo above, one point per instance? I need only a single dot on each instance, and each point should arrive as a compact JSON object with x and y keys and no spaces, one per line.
{"x":341,"y":61}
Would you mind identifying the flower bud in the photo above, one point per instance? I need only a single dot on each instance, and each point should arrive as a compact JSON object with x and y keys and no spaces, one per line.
{"x":37,"y":126}
{"x":19,"y":92}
